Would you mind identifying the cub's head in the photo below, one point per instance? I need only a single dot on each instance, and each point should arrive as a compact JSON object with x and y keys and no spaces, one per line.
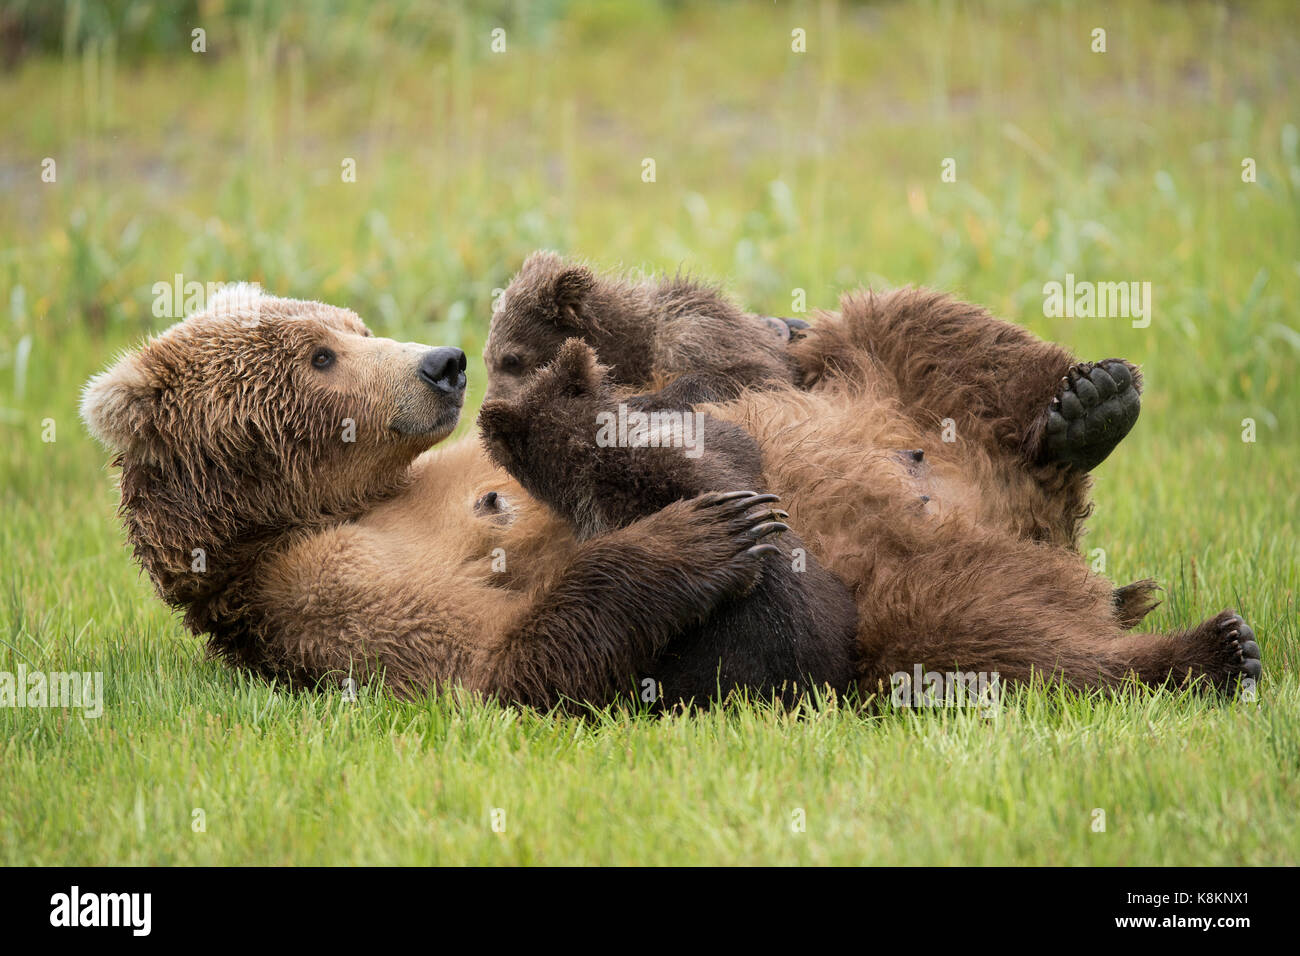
{"x":548,"y":302}
{"x":260,"y":414}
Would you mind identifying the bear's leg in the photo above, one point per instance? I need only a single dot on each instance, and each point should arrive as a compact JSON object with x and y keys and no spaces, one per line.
{"x":1220,"y":651}
{"x":963,"y":374}
{"x":989,"y":603}
{"x":950,"y":360}
{"x":626,"y":594}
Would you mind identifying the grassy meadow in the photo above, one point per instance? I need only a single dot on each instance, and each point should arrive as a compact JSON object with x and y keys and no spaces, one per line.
{"x":774,"y":171}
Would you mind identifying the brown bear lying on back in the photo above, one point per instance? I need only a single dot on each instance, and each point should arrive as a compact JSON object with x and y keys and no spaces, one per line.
{"x":280,"y":486}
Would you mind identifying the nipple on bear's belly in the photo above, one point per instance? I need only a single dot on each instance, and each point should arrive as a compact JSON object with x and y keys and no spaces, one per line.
{"x":495,"y":507}
{"x":918,"y":470}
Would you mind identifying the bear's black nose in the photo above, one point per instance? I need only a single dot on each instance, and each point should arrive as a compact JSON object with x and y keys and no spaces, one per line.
{"x":444,"y":369}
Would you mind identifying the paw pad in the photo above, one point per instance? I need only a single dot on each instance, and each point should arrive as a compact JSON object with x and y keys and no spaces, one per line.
{"x":1243,"y":653}
{"x":1095,"y":406}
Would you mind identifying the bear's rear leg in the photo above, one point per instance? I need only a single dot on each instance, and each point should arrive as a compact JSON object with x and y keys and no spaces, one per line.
{"x":1220,"y":652}
{"x":1095,"y":406}
{"x":986,"y":603}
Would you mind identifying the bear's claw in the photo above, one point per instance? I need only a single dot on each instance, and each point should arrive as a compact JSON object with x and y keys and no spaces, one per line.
{"x":748,"y":528}
{"x":1095,"y":406}
{"x":1236,"y":655}
{"x":1242,"y":649}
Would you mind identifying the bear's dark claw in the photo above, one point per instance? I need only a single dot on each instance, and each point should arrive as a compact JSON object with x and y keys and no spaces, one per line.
{"x":736,"y":495}
{"x":1240,"y":654}
{"x":1252,"y":665}
{"x":1095,"y":406}
{"x":767,"y":528}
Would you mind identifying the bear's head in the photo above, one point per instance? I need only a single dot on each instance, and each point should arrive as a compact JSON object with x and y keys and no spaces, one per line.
{"x":552,"y":300}
{"x":544,"y":305}
{"x":257,"y":417}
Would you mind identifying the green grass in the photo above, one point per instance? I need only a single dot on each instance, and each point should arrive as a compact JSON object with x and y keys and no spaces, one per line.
{"x":776,"y":171}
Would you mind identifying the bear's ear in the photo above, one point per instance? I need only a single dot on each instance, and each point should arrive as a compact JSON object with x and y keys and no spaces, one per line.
{"x":575,"y":369}
{"x":118,"y":405}
{"x":569,"y":291}
{"x":557,"y":290}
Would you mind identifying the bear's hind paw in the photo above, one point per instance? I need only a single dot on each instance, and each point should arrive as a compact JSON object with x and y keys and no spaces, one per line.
{"x":1094,"y":408}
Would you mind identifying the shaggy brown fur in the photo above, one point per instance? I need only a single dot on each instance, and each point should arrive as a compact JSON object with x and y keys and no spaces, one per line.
{"x":666,"y":329}
{"x":982,"y":393}
{"x":1001,"y":428}
{"x":939,"y":560}
{"x":956,"y":370}
{"x":794,"y":630}
{"x":331,"y":546}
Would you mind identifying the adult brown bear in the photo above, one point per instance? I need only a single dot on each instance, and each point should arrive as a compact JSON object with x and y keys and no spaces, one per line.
{"x":278,"y":485}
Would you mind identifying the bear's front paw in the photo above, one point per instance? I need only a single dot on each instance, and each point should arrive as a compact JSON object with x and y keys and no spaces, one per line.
{"x":742,"y":530}
{"x":573,"y":373}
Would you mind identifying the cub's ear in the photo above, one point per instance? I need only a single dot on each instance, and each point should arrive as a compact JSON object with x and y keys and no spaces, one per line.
{"x":575,"y":369}
{"x":501,"y":426}
{"x":118,"y":405}
{"x":558,"y":289}
{"x":570,"y":291}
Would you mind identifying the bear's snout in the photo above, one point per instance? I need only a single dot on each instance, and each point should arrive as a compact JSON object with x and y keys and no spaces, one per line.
{"x":444,"y":369}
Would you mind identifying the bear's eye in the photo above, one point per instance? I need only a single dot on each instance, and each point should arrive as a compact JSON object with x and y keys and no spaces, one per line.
{"x":511,"y":363}
{"x":322,"y":358}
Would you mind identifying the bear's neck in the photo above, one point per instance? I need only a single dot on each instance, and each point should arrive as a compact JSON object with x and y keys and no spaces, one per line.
{"x":202,"y":542}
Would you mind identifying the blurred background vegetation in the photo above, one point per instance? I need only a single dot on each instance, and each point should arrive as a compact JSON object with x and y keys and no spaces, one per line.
{"x":775,"y":171}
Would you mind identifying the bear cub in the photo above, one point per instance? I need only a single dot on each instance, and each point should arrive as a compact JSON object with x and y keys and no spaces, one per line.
{"x":567,"y":439}
{"x":667,"y":331}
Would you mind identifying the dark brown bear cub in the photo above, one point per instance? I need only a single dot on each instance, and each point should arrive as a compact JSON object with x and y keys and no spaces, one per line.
{"x":648,"y":333}
{"x":601,"y":465}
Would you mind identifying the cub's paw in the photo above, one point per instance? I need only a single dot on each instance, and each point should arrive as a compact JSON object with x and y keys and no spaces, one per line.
{"x":575,"y":371}
{"x":742,"y":525}
{"x":1095,"y":406}
{"x":550,"y":405}
{"x":785,"y":329}
{"x":1231,"y":653}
